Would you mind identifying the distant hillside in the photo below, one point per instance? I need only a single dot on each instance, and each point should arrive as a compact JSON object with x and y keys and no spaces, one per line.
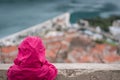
{"x":104,"y":23}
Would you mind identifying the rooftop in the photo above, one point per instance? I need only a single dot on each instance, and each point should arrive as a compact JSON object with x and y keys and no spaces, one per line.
{"x":65,"y":42}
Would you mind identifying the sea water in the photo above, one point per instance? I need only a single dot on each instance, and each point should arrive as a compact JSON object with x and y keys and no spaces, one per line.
{"x":16,"y":15}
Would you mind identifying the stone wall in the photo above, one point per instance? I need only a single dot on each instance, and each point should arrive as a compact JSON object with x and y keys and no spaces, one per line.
{"x":77,"y":71}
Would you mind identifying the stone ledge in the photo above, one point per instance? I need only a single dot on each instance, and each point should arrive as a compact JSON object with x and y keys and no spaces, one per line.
{"x":76,"y":71}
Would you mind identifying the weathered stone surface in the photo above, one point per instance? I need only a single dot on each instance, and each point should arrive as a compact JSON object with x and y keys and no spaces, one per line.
{"x":77,"y":71}
{"x":3,"y":75}
{"x":115,"y":75}
{"x":101,"y":75}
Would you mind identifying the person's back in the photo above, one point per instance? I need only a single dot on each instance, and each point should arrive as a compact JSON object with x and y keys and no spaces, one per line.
{"x":30,"y":63}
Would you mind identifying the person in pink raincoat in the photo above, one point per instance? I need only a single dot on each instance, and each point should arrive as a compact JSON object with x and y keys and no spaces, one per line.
{"x":30,"y":63}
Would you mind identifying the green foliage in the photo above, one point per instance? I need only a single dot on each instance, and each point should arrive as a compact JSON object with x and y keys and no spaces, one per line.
{"x":104,"y":23}
{"x":106,"y":42}
{"x":99,"y":41}
{"x":111,"y":43}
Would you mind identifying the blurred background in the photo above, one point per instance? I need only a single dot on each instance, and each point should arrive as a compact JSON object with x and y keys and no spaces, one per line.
{"x":16,"y":15}
{"x":88,"y":33}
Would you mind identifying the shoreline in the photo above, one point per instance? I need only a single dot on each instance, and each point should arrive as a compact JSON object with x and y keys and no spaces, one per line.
{"x":17,"y":37}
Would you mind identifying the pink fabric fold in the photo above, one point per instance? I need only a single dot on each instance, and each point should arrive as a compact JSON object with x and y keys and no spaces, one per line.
{"x":30,"y":63}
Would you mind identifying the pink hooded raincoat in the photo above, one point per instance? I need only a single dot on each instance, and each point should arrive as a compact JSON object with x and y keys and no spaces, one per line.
{"x":31,"y":63}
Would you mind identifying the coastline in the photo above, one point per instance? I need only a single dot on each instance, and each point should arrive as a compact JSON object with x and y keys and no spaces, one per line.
{"x":17,"y":37}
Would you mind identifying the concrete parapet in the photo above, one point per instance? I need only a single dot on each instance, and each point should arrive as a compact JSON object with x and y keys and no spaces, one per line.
{"x":76,"y":71}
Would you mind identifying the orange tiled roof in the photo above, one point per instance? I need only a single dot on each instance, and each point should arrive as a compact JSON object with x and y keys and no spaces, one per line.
{"x":85,"y":58}
{"x":8,"y":49}
{"x":50,"y":53}
{"x":111,"y":58}
{"x":105,"y":52}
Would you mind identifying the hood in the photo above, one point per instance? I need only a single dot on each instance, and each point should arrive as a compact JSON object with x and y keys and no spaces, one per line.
{"x":31,"y":52}
{"x":30,"y":63}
